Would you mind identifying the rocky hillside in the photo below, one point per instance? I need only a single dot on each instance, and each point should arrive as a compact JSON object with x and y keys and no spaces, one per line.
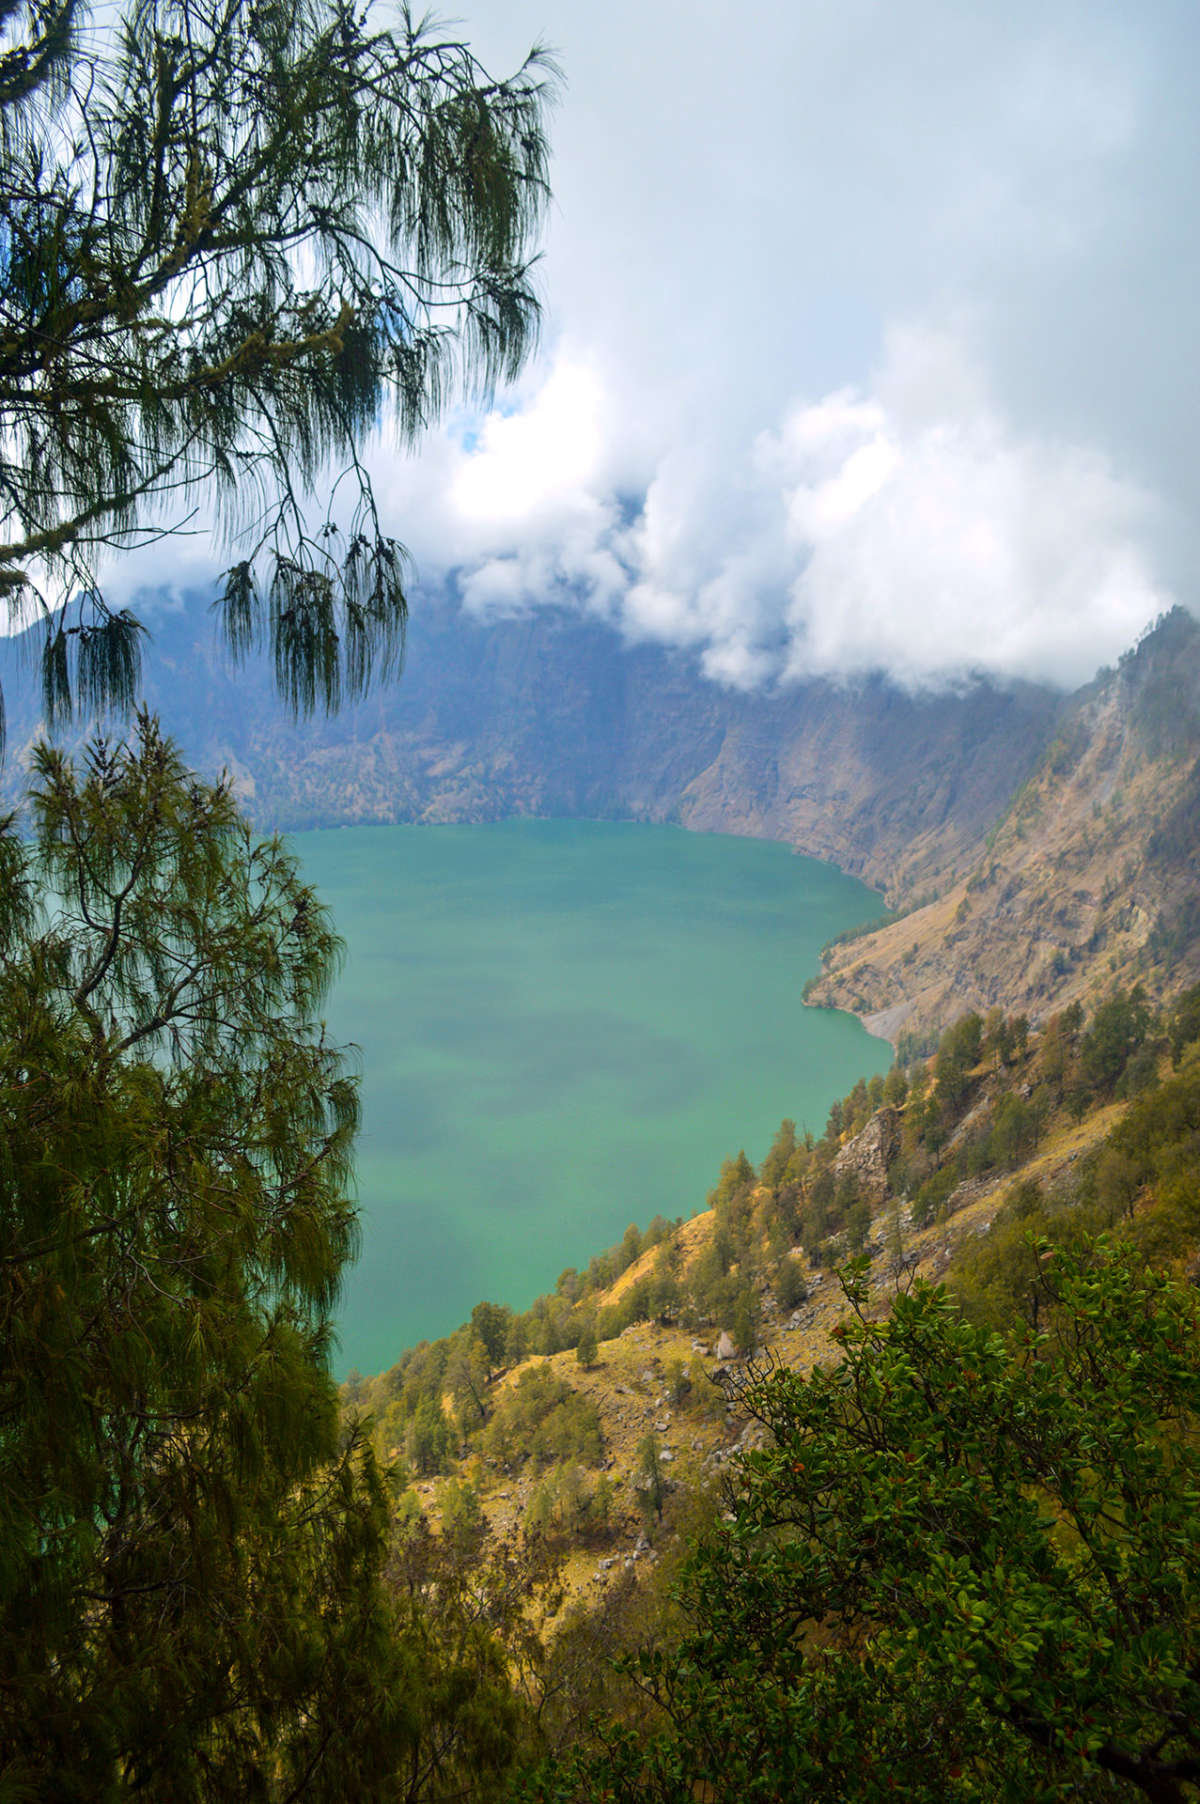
{"x":1088,"y":880}
{"x":601,"y":1418}
{"x":554,"y":715}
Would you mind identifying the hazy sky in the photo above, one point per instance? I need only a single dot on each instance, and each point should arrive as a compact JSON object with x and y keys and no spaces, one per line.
{"x":870,"y":336}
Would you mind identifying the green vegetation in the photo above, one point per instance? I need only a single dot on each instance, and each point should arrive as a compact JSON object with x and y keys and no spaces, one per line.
{"x":542,"y":1419}
{"x":228,"y":1583}
{"x":235,"y":236}
{"x":964,"y":1567}
{"x":978,"y":1109}
{"x":958,"y":1560}
{"x":192,"y":1546}
{"x":1010,"y":1607}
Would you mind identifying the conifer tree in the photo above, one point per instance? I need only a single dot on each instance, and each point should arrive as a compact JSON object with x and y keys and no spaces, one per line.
{"x":234,"y":237}
{"x":191,"y":1546}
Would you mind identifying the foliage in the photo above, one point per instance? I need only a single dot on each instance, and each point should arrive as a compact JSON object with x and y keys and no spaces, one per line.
{"x":586,"y":1350}
{"x":1116,"y":1033}
{"x":466,"y":1378}
{"x":429,"y":1438}
{"x":649,"y":1480}
{"x":490,"y":1323}
{"x":568,"y":1505}
{"x":191,"y":1543}
{"x":958,"y":1053}
{"x":791,"y":1288}
{"x":543,"y":1419}
{"x":1156,"y":1149}
{"x":963,"y":1569}
{"x":467,"y":1652}
{"x":783,"y":1148}
{"x":235,"y":237}
{"x":1185,"y":1023}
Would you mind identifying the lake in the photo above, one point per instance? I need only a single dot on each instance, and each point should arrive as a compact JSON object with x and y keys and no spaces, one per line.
{"x":564,"y":1026}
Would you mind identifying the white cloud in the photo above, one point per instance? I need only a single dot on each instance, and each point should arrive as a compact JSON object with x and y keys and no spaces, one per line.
{"x":537,"y":462}
{"x":851,"y":368}
{"x":870,"y":328}
{"x":937,"y":540}
{"x":908,"y":528}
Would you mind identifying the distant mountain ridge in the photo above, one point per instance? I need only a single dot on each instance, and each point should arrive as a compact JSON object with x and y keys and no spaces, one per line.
{"x":1089,"y":879}
{"x":1044,"y":846}
{"x":553,"y":714}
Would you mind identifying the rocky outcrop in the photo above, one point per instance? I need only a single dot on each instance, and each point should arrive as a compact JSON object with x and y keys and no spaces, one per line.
{"x":1090,"y":879}
{"x":1043,"y":849}
{"x":554,"y":714}
{"x":866,"y":1158}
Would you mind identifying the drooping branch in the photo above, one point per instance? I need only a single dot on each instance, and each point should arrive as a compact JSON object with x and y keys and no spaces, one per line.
{"x":248,"y":235}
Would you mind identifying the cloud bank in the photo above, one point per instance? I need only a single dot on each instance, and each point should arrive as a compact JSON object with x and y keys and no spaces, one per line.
{"x":872,"y":332}
{"x":906,"y":526}
{"x":871,"y":339}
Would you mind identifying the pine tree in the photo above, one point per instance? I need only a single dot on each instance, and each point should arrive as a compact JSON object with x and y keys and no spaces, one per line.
{"x":235,"y":237}
{"x":191,"y":1545}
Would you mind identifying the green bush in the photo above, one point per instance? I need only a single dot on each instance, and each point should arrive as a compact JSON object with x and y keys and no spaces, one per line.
{"x":541,"y":1418}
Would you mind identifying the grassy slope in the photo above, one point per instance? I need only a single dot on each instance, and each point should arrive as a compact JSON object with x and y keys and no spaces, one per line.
{"x":627,"y":1382}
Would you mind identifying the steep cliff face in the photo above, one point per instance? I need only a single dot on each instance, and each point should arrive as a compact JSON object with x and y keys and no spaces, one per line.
{"x":1090,"y":878}
{"x":554,"y":715}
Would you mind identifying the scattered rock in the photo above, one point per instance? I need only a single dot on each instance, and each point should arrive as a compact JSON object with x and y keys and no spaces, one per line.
{"x":969,"y":1191}
{"x":725,"y":1347}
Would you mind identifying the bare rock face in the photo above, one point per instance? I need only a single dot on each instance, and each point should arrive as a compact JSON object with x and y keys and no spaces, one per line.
{"x":866,"y":1158}
{"x":1088,"y":879}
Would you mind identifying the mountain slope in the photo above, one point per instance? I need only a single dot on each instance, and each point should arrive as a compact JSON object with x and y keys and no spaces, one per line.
{"x":1088,"y":880}
{"x":1045,"y":848}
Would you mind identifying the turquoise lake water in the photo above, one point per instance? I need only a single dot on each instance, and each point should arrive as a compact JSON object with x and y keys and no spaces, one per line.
{"x":564,"y":1026}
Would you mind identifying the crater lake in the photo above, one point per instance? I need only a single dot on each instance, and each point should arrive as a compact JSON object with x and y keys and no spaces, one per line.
{"x":563,"y":1026}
